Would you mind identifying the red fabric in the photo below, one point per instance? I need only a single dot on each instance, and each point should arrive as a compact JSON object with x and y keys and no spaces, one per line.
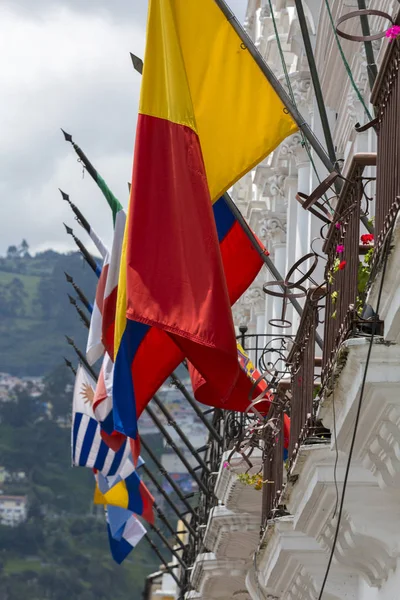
{"x":148,"y":503}
{"x":101,"y":286}
{"x":241,"y":261}
{"x":135,"y":448}
{"x":108,"y":322}
{"x":113,"y":441}
{"x":157,"y":357}
{"x":175,"y":278}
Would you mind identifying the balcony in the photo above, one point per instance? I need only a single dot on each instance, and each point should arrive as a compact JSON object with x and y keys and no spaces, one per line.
{"x":386,"y":98}
{"x":295,"y":505}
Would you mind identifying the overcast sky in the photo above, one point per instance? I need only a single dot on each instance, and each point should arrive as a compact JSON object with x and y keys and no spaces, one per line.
{"x":65,"y":63}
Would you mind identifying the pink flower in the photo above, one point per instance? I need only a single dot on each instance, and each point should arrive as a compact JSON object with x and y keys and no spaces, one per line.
{"x":226,"y":465}
{"x":340,"y":248}
{"x":337,"y":225}
{"x":393,"y":32}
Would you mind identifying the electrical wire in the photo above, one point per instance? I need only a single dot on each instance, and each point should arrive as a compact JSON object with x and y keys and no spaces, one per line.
{"x":364,"y":379}
{"x":336,"y":455}
{"x":346,"y":64}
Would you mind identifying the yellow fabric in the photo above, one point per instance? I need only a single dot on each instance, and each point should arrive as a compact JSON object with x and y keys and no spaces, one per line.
{"x":118,"y":495}
{"x":165,"y":89}
{"x":195,"y":61}
{"x":120,"y":318}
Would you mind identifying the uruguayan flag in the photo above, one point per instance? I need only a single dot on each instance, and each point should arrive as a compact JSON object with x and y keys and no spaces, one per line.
{"x":88,"y":448}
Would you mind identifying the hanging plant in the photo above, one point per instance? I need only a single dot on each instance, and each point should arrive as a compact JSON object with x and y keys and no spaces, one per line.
{"x":255,"y":481}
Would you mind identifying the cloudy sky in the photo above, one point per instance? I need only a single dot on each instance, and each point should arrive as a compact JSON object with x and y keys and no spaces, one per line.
{"x":65,"y":63}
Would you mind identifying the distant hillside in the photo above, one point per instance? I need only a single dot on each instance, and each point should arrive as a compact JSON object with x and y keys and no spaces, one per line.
{"x":35,"y":312}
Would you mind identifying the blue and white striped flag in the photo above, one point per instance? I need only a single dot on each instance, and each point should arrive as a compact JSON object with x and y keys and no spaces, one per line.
{"x":88,"y":447}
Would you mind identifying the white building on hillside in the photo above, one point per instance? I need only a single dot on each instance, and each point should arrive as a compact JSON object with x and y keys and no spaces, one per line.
{"x":13,"y":510}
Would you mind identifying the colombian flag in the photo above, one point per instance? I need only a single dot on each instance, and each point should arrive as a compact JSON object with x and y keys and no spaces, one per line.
{"x":207,"y":116}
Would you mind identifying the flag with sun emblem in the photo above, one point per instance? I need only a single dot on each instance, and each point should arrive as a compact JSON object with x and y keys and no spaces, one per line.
{"x":88,"y":447}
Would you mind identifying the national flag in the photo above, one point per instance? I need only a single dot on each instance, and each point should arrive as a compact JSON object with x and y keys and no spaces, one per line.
{"x":94,"y":346}
{"x":199,"y":130}
{"x":88,"y":447}
{"x":124,"y":532}
{"x":98,"y":243}
{"x":101,"y":333}
{"x":125,"y":490}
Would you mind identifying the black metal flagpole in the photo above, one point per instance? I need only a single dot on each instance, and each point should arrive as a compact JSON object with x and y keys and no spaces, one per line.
{"x":179,"y":431}
{"x":179,"y":385}
{"x":369,"y":51}
{"x":162,"y":470}
{"x":82,"y":358}
{"x":78,"y":290}
{"x":80,"y":312}
{"x":168,"y":545}
{"x":69,"y":364}
{"x":161,"y":491}
{"x":316,"y":82}
{"x":79,"y":216}
{"x":161,"y":558}
{"x":86,"y":162}
{"x":175,"y":448}
{"x":89,"y":259}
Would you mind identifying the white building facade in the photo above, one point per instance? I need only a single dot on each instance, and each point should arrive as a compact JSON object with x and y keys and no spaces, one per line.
{"x":277,"y":531}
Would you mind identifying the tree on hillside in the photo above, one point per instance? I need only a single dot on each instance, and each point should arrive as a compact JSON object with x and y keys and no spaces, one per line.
{"x":12,"y":252}
{"x":24,"y":249}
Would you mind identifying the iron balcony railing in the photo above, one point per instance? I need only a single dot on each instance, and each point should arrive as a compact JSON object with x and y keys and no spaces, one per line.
{"x":386,"y":99}
{"x":343,"y":251}
{"x":305,"y":368}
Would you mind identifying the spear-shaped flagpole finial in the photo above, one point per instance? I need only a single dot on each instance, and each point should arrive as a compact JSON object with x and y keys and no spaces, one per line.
{"x":81,"y":357}
{"x":65,"y":196}
{"x":71,"y":300}
{"x":137,"y":63}
{"x":69,"y":230}
{"x":78,"y":290}
{"x":67,"y":136}
{"x":68,"y":363}
{"x":89,"y":259}
{"x":78,"y":215}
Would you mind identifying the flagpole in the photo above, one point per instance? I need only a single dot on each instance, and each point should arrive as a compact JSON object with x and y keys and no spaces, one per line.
{"x":78,"y":290}
{"x":172,"y":483}
{"x":179,"y":385}
{"x":162,"y":559}
{"x":175,"y":448}
{"x":179,"y":431}
{"x":89,"y":259}
{"x":69,"y":364}
{"x":81,"y":357}
{"x":80,"y":312}
{"x":112,"y":200}
{"x":167,"y":498}
{"x":277,"y":86}
{"x":316,"y":82}
{"x":79,"y":216}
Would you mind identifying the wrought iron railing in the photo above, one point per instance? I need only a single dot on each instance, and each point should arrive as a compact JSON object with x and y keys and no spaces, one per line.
{"x":273,"y":462}
{"x":386,"y":99}
{"x":305,"y":367}
{"x":342,"y":248}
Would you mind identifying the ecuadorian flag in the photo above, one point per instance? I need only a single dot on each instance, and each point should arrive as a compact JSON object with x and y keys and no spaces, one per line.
{"x":207,"y":115}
